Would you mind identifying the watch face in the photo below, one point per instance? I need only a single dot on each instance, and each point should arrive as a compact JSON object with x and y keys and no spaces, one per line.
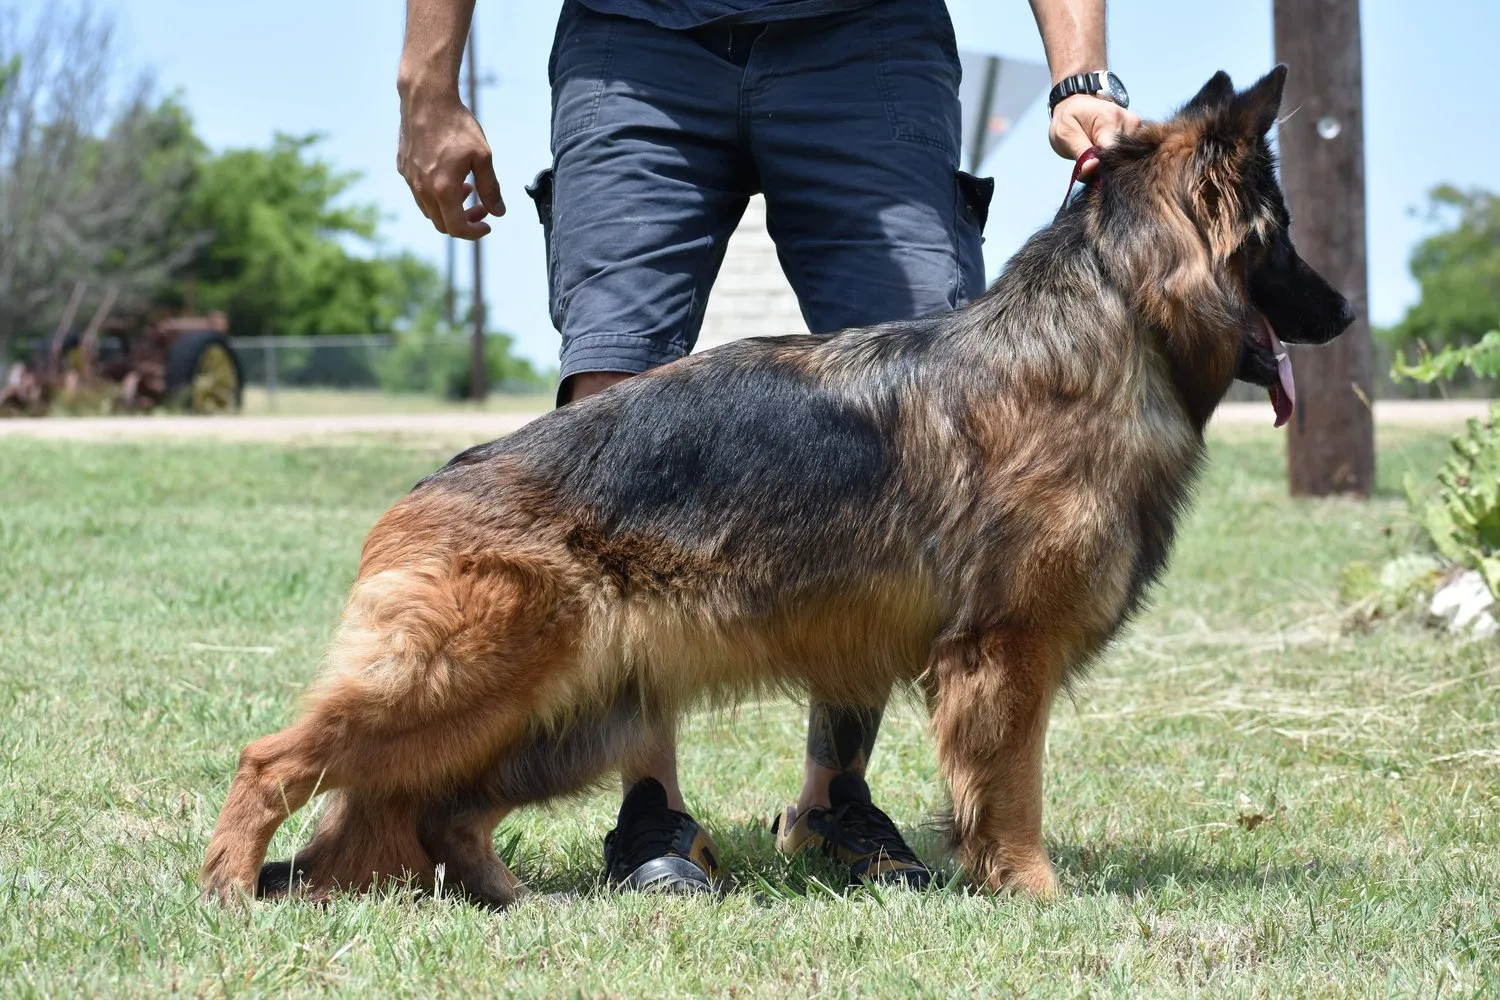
{"x":1118,"y":92}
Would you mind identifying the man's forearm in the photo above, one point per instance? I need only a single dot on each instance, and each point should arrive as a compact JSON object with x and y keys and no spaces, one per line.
{"x":436,"y":31}
{"x":1073,"y":35}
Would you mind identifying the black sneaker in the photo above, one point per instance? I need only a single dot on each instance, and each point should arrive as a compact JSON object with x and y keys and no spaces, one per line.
{"x":856,"y":834}
{"x":654,"y":847}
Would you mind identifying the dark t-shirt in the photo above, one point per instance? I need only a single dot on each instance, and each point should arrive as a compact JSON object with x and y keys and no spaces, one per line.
{"x":681,"y":14}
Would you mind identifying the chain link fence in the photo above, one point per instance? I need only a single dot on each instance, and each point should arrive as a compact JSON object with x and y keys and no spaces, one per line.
{"x":364,"y":362}
{"x":436,"y":365}
{"x":324,"y":362}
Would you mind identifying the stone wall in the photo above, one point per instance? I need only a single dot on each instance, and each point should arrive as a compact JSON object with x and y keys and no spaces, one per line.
{"x":751,"y":297}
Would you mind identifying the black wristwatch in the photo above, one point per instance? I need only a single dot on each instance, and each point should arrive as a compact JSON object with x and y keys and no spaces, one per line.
{"x":1102,"y":83}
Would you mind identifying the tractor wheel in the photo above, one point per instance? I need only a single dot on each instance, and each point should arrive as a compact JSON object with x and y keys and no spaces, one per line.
{"x":203,"y":374}
{"x":70,"y":355}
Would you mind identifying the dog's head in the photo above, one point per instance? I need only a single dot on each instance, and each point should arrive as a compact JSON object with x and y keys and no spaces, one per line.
{"x":1190,"y":215}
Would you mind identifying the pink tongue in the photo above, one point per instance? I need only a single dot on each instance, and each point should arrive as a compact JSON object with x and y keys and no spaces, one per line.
{"x":1283,"y":395}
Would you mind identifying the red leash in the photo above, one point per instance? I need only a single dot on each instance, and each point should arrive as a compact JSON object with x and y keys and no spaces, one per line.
{"x":1092,"y":153}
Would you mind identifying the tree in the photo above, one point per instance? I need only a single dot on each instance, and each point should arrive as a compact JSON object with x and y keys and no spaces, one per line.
{"x":122,"y":193}
{"x":279,"y":258}
{"x":90,"y":189}
{"x":1458,"y":271}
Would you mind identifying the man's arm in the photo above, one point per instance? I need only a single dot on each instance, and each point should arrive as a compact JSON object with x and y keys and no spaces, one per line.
{"x":441,"y":144}
{"x":1073,"y":35}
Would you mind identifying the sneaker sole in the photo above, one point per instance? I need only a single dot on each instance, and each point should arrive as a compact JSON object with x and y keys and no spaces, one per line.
{"x":669,"y":874}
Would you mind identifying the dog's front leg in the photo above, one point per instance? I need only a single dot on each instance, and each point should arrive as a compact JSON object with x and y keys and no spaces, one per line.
{"x":993,"y":694}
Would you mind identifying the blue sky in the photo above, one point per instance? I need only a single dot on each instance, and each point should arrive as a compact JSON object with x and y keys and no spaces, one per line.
{"x":250,"y":69}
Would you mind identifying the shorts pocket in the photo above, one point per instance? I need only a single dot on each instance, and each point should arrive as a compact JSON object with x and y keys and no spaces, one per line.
{"x":582,"y":51}
{"x":970,"y":215}
{"x":540,"y":190}
{"x":919,"y":73}
{"x":974,"y":197}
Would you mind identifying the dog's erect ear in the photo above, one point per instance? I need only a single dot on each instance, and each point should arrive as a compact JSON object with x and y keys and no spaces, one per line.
{"x":1230,"y":127}
{"x":1258,"y":107}
{"x":1217,"y":92}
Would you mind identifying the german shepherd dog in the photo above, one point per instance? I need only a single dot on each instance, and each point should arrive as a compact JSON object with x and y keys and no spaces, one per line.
{"x":972,"y":503}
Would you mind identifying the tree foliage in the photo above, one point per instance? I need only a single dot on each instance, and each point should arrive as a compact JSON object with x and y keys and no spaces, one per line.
{"x":103,"y":182}
{"x":1458,"y":271}
{"x":1481,"y":358}
{"x":279,"y":255}
{"x":1461,"y":512}
{"x":90,"y":189}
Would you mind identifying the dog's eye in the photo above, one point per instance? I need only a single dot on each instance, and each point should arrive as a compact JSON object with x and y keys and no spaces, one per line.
{"x":1258,"y":249}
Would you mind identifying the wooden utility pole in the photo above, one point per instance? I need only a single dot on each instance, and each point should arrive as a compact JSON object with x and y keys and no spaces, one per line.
{"x":477,"y":386}
{"x":1332,"y":444}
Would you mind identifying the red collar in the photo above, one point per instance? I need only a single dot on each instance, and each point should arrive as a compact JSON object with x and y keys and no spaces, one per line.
{"x":1092,"y":153}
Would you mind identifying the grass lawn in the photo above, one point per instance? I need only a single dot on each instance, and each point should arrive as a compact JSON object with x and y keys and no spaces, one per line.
{"x":1244,"y":800}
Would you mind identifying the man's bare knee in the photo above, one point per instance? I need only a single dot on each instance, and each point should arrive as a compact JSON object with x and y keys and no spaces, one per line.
{"x":587,"y":383}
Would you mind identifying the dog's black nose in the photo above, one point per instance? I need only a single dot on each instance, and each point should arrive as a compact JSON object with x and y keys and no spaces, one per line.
{"x":1346,"y":315}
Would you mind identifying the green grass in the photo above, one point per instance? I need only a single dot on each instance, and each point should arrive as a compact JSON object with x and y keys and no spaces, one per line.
{"x":1245,"y":799}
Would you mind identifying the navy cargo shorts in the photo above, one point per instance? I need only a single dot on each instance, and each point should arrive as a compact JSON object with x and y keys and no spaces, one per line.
{"x":848,"y":123}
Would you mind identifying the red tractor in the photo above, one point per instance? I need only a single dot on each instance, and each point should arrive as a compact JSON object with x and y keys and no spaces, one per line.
{"x":184,"y":362}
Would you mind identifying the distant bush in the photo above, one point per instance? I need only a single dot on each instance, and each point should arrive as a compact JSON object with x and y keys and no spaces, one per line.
{"x":438,"y":363}
{"x":1482,"y":359}
{"x":1457,"y":269}
{"x":1461,"y":514}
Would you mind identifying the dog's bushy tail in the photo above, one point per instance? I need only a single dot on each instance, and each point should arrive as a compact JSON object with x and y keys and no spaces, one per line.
{"x":424,"y":637}
{"x":394,"y":643}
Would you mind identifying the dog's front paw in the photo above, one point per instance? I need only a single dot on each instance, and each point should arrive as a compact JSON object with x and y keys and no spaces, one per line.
{"x":227,"y":892}
{"x":220,"y":884}
{"x":1024,"y":873}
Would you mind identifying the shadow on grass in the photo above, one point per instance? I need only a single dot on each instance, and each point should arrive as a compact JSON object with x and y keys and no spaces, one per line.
{"x":1126,"y":869}
{"x":750,"y":860}
{"x":753,"y":866}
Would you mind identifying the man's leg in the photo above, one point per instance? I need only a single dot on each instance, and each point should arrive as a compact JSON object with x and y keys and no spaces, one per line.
{"x":857,"y":148}
{"x":839,"y":741}
{"x":648,"y":183}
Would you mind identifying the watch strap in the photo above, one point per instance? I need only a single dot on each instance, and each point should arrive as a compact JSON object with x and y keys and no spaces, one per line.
{"x":1096,"y":82}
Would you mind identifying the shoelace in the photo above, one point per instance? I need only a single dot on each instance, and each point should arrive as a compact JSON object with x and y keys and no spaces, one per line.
{"x":649,"y":837}
{"x":872,"y":829}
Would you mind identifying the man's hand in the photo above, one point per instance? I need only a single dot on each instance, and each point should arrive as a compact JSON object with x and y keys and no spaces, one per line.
{"x":441,"y":146}
{"x":1073,"y":35}
{"x":1084,"y":120}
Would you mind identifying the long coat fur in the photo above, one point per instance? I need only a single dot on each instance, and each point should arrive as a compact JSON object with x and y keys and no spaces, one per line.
{"x":973,"y":502}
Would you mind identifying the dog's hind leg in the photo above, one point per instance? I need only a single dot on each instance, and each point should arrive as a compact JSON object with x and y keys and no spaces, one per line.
{"x":990,"y":714}
{"x":362,"y":840}
{"x":434,"y":674}
{"x":348,"y":743}
{"x":274,"y":779}
{"x":565,"y":758}
{"x":460,"y":838}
